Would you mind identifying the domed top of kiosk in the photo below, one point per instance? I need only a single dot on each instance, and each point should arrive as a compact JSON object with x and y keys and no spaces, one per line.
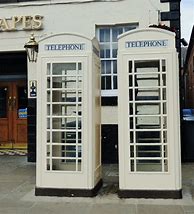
{"x":151,"y":38}
{"x":68,"y":43}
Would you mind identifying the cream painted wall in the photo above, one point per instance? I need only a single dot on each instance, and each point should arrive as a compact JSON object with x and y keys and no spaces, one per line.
{"x":109,"y":115}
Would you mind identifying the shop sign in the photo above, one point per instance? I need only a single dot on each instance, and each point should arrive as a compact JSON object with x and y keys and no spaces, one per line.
{"x":21,"y":23}
{"x":147,"y":44}
{"x":64,"y":47}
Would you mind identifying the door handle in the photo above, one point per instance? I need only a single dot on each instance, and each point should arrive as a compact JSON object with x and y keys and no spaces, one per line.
{"x":10,"y":103}
{"x":14,"y":102}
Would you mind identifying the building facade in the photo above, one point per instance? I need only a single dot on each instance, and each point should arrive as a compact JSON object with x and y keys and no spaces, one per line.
{"x":105,"y":20}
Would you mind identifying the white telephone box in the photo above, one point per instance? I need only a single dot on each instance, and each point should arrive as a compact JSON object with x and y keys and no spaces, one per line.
{"x":68,"y":116}
{"x":148,"y":94}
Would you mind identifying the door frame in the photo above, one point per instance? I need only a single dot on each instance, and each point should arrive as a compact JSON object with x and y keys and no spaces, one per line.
{"x":12,"y":113}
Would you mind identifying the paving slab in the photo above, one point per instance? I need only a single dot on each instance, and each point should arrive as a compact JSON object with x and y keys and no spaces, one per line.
{"x":13,"y":211}
{"x":60,"y":208}
{"x":113,"y":209}
{"x":159,"y":209}
{"x":188,"y":209}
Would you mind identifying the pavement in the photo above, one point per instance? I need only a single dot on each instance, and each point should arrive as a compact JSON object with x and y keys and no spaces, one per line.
{"x":17,"y":183}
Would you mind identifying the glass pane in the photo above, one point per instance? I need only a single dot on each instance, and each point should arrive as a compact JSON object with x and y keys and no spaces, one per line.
{"x":22,"y":102}
{"x":130,"y":94}
{"x":105,"y":51}
{"x":48,"y":110}
{"x":147,"y":108}
{"x":22,"y":97}
{"x":131,"y":122}
{"x":149,"y":165}
{"x":64,"y":164}
{"x":130,"y":81}
{"x":131,"y":136}
{"x":165,"y":151}
{"x":3,"y":102}
{"x":132,"y":166}
{"x":163,"y":65}
{"x":131,"y":109}
{"x":114,"y":66}
{"x":79,"y":166}
{"x":106,"y":66}
{"x":64,"y":82}
{"x":115,"y":32}
{"x":114,"y":50}
{"x":64,"y":109}
{"x":48,"y":82}
{"x":48,"y":123}
{"x":166,"y":165}
{"x":103,"y":67}
{"x":164,"y":122}
{"x":163,"y":80}
{"x":164,"y":108}
{"x":71,"y":137}
{"x":48,"y":68}
{"x":104,"y":34}
{"x":48,"y":96}
{"x":130,"y":66}
{"x":108,"y":82}
{"x":148,"y":94}
{"x":152,"y":66}
{"x":66,"y":123}
{"x":103,"y":82}
{"x":65,"y":96}
{"x":131,"y":151}
{"x":150,"y":122}
{"x":148,"y":137}
{"x":143,"y":80}
{"x":148,"y":151}
{"x":48,"y":150}
{"x":165,"y":137}
{"x":114,"y":82}
{"x":63,"y":151}
{"x":48,"y":137}
{"x":128,"y":28}
{"x":164,"y":94}
{"x":48,"y":166}
{"x":79,"y":66}
{"x":66,"y":137}
{"x":64,"y":69}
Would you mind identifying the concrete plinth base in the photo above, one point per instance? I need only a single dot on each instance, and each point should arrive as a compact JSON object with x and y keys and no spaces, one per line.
{"x":68,"y":192}
{"x":174,"y":194}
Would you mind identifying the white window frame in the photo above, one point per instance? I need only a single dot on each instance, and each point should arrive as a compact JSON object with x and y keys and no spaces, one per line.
{"x":111,"y":92}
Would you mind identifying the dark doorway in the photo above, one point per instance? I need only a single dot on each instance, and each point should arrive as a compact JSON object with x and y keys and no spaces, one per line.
{"x":110,"y":144}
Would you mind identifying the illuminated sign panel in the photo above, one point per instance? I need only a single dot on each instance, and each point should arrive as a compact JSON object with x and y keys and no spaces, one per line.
{"x":146,"y":44}
{"x":64,"y":47}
